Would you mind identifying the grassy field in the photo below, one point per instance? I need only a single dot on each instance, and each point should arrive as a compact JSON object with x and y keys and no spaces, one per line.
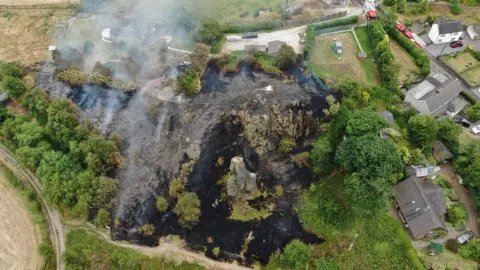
{"x":448,"y":259}
{"x":330,"y":68}
{"x":368,"y":66}
{"x":469,"y":16}
{"x":26,"y":33}
{"x":403,"y":61}
{"x":459,"y":63}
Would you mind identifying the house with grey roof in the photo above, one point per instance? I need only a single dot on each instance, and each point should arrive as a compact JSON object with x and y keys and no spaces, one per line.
{"x":444,"y":31}
{"x":436,"y":95}
{"x":420,"y":205}
{"x":274,"y":46}
{"x":387,"y":116}
{"x":440,"y":152}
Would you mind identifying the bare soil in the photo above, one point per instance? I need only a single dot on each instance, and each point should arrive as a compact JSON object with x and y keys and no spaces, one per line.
{"x":18,"y":238}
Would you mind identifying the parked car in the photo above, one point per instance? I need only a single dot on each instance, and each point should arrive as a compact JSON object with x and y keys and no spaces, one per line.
{"x":462,"y":239}
{"x":456,"y":44}
{"x":476,"y":129}
{"x":408,"y":34}
{"x":250,"y":35}
{"x":401,"y":27}
{"x":462,"y":121}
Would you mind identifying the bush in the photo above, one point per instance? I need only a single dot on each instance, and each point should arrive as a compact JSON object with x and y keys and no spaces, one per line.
{"x":285,"y":57}
{"x":302,"y":160}
{"x":468,"y":97}
{"x":12,"y":70}
{"x":189,"y":83}
{"x":147,"y":229}
{"x":188,"y":209}
{"x":77,"y":78}
{"x":210,"y":33}
{"x":216,"y":251}
{"x":14,"y":87}
{"x":452,"y":245}
{"x":455,"y":9}
{"x":45,"y":250}
{"x":286,"y":145}
{"x":176,"y":188}
{"x":337,"y":22}
{"x":103,"y":218}
{"x":162,"y":204}
{"x":456,"y":215}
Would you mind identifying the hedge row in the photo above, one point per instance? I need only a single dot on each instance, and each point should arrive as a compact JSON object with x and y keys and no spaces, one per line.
{"x":78,"y":78}
{"x":475,"y":54}
{"x":383,"y":56}
{"x":421,"y":58}
{"x":337,"y":22}
{"x":251,"y":27}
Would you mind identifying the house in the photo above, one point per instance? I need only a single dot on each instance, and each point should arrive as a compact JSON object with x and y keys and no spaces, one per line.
{"x":436,"y":95}
{"x":255,"y":48}
{"x":420,"y":205}
{"x":338,"y":46}
{"x":473,"y":31}
{"x":441,"y":152}
{"x":455,"y":106}
{"x":444,"y":31}
{"x":274,"y":46}
{"x":294,"y":8}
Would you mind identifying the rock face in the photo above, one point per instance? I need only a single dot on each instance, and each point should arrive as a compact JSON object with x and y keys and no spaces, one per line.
{"x":241,"y":183}
{"x":275,"y":123}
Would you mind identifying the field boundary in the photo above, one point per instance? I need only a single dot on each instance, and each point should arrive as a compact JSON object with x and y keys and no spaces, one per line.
{"x":448,"y":67}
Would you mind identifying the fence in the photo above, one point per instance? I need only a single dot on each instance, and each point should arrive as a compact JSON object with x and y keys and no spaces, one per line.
{"x":338,"y":28}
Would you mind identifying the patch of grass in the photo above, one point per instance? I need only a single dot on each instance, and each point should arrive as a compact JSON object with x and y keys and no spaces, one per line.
{"x":244,"y":212}
{"x":326,"y":61}
{"x":473,"y":76}
{"x":470,"y":16}
{"x":403,"y":60}
{"x":367,"y":65}
{"x":461,"y":62}
{"x":267,"y":63}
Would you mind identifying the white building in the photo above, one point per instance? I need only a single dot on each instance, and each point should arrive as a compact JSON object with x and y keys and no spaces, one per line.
{"x":445,"y":31}
{"x":473,"y":31}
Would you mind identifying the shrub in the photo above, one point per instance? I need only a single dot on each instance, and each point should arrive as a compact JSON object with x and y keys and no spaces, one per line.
{"x":103,"y":218}
{"x":147,"y":229}
{"x":176,"y":188}
{"x":286,"y":57}
{"x":452,"y":245}
{"x":45,"y":250}
{"x":473,"y":112}
{"x":286,"y":145}
{"x":455,"y":9}
{"x":13,"y":86}
{"x":77,"y":78}
{"x":162,"y":204}
{"x":457,"y":215}
{"x":188,"y":209}
{"x":216,"y":251}
{"x":302,"y":160}
{"x":12,"y":70}
{"x":210,"y":33}
{"x":189,"y":83}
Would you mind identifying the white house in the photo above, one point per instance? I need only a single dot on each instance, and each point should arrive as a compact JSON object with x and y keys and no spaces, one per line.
{"x":445,"y":31}
{"x":473,"y":31}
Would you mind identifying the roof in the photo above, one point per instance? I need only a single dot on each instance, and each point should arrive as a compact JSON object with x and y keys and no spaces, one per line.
{"x":338,"y":44}
{"x":447,"y":27}
{"x":422,"y":204}
{"x":441,"y":152}
{"x":388,"y":116}
{"x":274,"y":46}
{"x":436,"y":91}
{"x":457,"y":104}
{"x":256,"y":47}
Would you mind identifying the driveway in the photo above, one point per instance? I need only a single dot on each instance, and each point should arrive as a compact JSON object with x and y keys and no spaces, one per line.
{"x":437,"y":49}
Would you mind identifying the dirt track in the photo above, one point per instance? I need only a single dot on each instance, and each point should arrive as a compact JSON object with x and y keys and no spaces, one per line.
{"x":18,"y":242}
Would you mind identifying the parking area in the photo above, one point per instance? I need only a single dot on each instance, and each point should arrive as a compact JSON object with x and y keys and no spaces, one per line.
{"x":441,"y":49}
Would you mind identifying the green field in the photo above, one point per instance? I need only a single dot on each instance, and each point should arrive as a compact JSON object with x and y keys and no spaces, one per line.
{"x":461,"y":64}
{"x":368,"y":66}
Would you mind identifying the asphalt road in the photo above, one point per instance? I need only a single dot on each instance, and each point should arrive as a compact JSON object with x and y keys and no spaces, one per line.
{"x":56,"y":229}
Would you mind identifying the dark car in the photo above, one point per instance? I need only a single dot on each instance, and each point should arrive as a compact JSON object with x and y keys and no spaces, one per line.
{"x":456,"y":44}
{"x":250,"y":35}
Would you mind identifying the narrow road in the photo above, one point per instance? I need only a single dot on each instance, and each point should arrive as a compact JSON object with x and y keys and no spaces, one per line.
{"x":56,"y":229}
{"x":463,"y":195}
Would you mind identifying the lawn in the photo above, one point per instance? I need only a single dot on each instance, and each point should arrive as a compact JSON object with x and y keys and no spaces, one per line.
{"x":461,"y":64}
{"x":470,"y":16}
{"x":403,"y":61}
{"x":473,"y":76}
{"x":328,"y":66}
{"x":27,"y":33}
{"x":447,"y":259}
{"x":368,"y":66}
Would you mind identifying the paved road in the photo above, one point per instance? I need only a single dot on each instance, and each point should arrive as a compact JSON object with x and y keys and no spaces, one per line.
{"x":56,"y":229}
{"x":290,"y":36}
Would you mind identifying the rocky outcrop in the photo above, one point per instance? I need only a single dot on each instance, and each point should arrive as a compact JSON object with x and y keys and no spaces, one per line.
{"x":278,"y":121}
{"x":241,"y":183}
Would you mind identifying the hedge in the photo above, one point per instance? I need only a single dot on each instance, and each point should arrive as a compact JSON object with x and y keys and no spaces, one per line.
{"x":251,"y":27}
{"x":472,"y":100}
{"x":337,"y":22}
{"x":421,"y":58}
{"x":78,"y":78}
{"x":384,"y":57}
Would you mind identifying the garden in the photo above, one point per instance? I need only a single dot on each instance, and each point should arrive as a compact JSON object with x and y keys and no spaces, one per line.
{"x":466,"y":65}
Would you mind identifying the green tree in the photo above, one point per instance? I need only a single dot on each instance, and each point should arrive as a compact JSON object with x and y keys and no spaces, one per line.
{"x":402,"y":6}
{"x":455,"y":8}
{"x":372,"y":157}
{"x":467,"y":165}
{"x":161,"y":204}
{"x":210,"y":33}
{"x":62,"y":120}
{"x":322,"y":156}
{"x":37,"y":102}
{"x":456,"y":215}
{"x":473,"y":112}
{"x":389,"y":2}
{"x":14,"y":87}
{"x":188,"y":209}
{"x":10,"y":70}
{"x":189,"y":83}
{"x":296,"y":255}
{"x":471,"y":250}
{"x":338,"y":125}
{"x":423,"y":129}
{"x":45,"y":250}
{"x":103,"y":218}
{"x":423,"y":7}
{"x":286,"y":145}
{"x":326,"y":264}
{"x":285,"y":57}
{"x":365,"y":122}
